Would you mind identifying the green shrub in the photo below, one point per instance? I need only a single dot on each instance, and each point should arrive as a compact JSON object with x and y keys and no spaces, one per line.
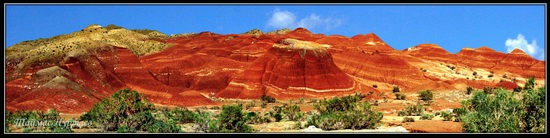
{"x":125,"y":129}
{"x":232,"y":120}
{"x":201,"y":119}
{"x":396,"y":89}
{"x":250,"y":105}
{"x":458,"y":113}
{"x":268,"y":99}
{"x":426,"y":117}
{"x":426,"y":96}
{"x":399,"y":96}
{"x":293,"y":112}
{"x":180,"y":115}
{"x":257,"y":118}
{"x":347,"y":112}
{"x":499,"y":113}
{"x":125,"y":108}
{"x":447,"y":116}
{"x":161,"y":127}
{"x":535,"y":110}
{"x":408,"y":119}
{"x":412,"y":110}
{"x":529,"y":84}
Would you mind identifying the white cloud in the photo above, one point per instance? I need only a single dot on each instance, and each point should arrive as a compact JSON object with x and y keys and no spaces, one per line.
{"x":286,"y":19}
{"x":281,"y":19}
{"x":521,"y":43}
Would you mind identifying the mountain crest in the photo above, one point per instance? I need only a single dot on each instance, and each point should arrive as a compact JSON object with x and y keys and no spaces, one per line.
{"x":518,"y":51}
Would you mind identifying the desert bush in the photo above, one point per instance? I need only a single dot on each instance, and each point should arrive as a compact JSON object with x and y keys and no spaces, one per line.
{"x":125,"y":129}
{"x":293,"y":112}
{"x":529,"y":84}
{"x":347,"y":112}
{"x":277,"y":113}
{"x":125,"y":108}
{"x":427,"y":117}
{"x":396,"y":89}
{"x":399,"y":96}
{"x":458,"y":113}
{"x":268,"y":99}
{"x":180,"y":115}
{"x":408,"y":119}
{"x":447,"y":116}
{"x":412,"y":110}
{"x":500,"y":112}
{"x":469,"y":90}
{"x":490,"y":75}
{"x":161,"y":127}
{"x":534,"y":103}
{"x":257,"y":118}
{"x":232,"y":120}
{"x":475,"y":73}
{"x":250,"y":105}
{"x":375,"y":86}
{"x":426,"y":96}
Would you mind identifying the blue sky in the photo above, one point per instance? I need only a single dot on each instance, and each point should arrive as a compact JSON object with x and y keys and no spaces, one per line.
{"x":501,"y":27}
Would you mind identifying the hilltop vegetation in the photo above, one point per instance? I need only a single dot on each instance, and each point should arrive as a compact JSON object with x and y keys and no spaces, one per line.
{"x":88,"y":40}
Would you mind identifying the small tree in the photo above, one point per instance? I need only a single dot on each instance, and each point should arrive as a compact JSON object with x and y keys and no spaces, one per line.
{"x":268,"y":99}
{"x":399,"y":96}
{"x":396,"y":89}
{"x":232,"y":119}
{"x":426,"y":96}
{"x":530,"y":84}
